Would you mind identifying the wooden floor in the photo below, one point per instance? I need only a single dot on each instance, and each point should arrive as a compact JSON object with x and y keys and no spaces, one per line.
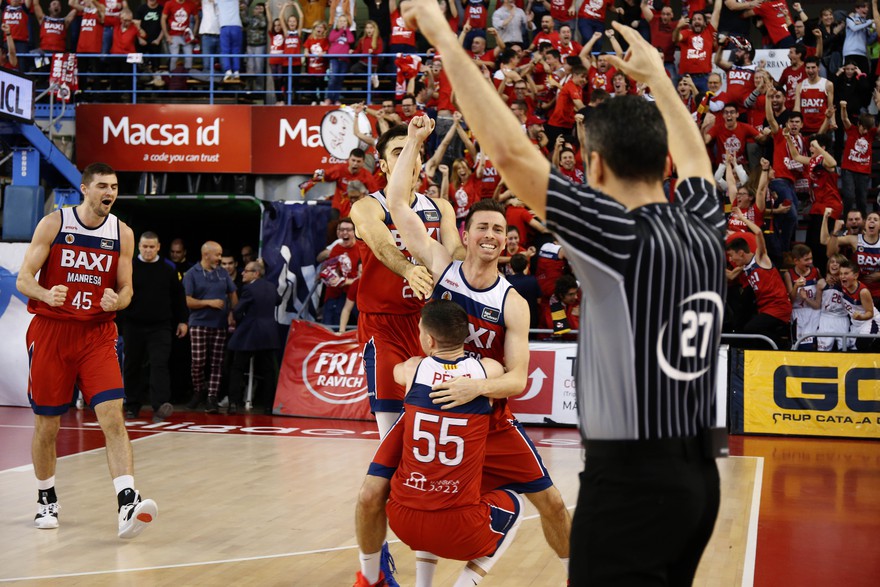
{"x":273,"y":509}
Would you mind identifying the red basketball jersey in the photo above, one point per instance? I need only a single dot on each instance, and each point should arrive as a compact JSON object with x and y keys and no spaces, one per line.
{"x":86,"y":261}
{"x":382,"y":291}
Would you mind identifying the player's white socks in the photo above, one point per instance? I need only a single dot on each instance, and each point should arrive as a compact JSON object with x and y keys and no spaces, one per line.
{"x":426,"y":564}
{"x":468,"y":578}
{"x":370,"y":565}
{"x":123,"y":482}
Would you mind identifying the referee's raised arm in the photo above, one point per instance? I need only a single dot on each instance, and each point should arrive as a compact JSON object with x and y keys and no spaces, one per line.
{"x":644,"y":64}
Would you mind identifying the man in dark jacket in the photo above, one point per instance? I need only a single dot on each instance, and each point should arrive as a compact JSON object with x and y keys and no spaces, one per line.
{"x":157,"y":309}
{"x":255,"y":336}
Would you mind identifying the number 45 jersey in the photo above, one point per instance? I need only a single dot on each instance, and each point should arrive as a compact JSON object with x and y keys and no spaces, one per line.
{"x":86,"y":261}
{"x":434,"y":457}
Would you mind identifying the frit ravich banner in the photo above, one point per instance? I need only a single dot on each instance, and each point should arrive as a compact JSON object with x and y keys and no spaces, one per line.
{"x":283,"y":140}
{"x":322,"y":376}
{"x":813,"y":394}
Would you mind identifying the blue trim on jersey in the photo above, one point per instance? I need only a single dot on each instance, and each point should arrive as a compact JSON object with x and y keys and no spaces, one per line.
{"x":476,"y":289}
{"x":385,"y":405}
{"x":377,"y":470}
{"x":87,"y":241}
{"x":418,"y":396}
{"x":106,"y":396}
{"x":75,"y":215}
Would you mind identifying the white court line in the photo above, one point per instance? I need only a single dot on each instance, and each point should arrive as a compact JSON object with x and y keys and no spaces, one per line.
{"x":30,"y":467}
{"x":752,"y":540}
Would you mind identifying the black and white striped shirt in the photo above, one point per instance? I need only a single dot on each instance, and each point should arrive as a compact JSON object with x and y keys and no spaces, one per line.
{"x":654,"y":285}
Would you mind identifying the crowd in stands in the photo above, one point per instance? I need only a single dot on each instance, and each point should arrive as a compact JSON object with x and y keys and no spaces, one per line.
{"x":794,"y":151}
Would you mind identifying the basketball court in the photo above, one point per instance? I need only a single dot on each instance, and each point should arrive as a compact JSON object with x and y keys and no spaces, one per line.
{"x":262,"y":500}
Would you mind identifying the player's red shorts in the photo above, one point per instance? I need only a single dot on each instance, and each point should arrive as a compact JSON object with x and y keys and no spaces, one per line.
{"x":512,"y":461}
{"x":388,"y":339}
{"x":478,"y":529}
{"x":66,"y":352}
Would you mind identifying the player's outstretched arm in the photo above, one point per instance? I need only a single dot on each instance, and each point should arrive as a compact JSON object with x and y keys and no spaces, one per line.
{"x":524,"y":169}
{"x":427,"y":250}
{"x":642,"y":62}
{"x":36,"y":254}
{"x":368,"y":216}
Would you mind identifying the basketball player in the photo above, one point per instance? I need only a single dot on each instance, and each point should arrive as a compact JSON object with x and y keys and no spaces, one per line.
{"x":433,"y":457}
{"x":499,"y":325}
{"x":653,"y":279}
{"x":84,"y":256}
{"x":390,"y":296}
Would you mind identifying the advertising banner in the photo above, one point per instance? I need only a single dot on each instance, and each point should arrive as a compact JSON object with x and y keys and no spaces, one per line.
{"x":812,"y":394}
{"x":549,"y":396}
{"x":165,"y":138}
{"x":288,"y":139}
{"x":16,"y":96}
{"x":322,"y":375}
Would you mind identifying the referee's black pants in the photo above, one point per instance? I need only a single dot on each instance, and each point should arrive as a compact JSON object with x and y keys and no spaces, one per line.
{"x":645,"y":512}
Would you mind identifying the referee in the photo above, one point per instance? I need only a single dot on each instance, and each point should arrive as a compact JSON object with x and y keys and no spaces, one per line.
{"x":653,"y":280}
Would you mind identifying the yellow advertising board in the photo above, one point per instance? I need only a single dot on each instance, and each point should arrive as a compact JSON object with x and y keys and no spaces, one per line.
{"x":812,"y":394}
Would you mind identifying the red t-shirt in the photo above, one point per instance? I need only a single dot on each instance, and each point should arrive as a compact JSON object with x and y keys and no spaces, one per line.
{"x":276,"y":47}
{"x":179,"y":15}
{"x":594,"y":9}
{"x":17,"y":19}
{"x":111,"y":14}
{"x":824,"y":185}
{"x":770,"y":292}
{"x":465,"y":196}
{"x":573,"y":48}
{"x":814,"y":103}
{"x":790,"y":78}
{"x":400,"y":34}
{"x":124,"y":41}
{"x":293,"y":46}
{"x":315,"y":49}
{"x":91,"y":32}
{"x":598,"y":80}
{"x":559,"y":11}
{"x":740,"y":83}
{"x":661,"y":37}
{"x":342,"y":177}
{"x":490,"y":180}
{"x":576,"y":175}
{"x":732,"y":141}
{"x":696,"y":50}
{"x":563,"y":114}
{"x":520,"y":217}
{"x":784,"y":166}
{"x":858,"y":150}
{"x":53,"y":35}
{"x":352,"y":264}
{"x":476,"y":14}
{"x":774,"y":13}
{"x":365,"y":45}
{"x":736,"y":225}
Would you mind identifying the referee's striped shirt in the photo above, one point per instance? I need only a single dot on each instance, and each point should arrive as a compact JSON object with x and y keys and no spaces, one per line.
{"x":653,"y":297}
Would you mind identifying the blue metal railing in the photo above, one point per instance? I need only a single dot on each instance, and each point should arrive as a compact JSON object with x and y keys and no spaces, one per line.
{"x":130,"y":82}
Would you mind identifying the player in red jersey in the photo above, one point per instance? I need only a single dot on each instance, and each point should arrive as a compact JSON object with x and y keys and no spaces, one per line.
{"x":433,"y":458}
{"x":499,"y":323}
{"x":84,"y":257}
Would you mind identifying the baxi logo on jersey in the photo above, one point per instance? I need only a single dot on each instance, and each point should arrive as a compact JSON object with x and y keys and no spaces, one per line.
{"x":700,"y":323}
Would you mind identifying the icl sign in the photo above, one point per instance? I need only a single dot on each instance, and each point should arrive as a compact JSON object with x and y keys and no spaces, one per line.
{"x":16,"y":96}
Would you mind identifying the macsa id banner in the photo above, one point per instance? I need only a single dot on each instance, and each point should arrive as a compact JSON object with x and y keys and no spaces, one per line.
{"x":811,"y":394}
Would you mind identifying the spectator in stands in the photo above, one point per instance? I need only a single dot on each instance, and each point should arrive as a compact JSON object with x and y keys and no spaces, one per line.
{"x":866,"y":253}
{"x":402,"y":39}
{"x":852,"y":89}
{"x":561,"y":311}
{"x":832,"y":39}
{"x":526,"y":286}
{"x":821,"y":169}
{"x":91,"y":34}
{"x":696,"y":39}
{"x":732,"y":22}
{"x":805,"y":286}
{"x":313,"y":11}
{"x":661,"y":29}
{"x":291,"y":27}
{"x":465,"y":188}
{"x":731,"y":136}
{"x":813,"y":98}
{"x":370,"y":43}
{"x":248,"y":254}
{"x":476,"y":18}
{"x":858,"y":153}
{"x":8,"y":57}
{"x":774,"y":306}
{"x":157,"y":309}
{"x":787,"y":171}
{"x":546,"y":33}
{"x":209,"y":31}
{"x":315,"y":47}
{"x":740,"y":71}
{"x":148,"y":18}
{"x":341,"y":267}
{"x":177,"y":16}
{"x":125,"y":35}
{"x":15,"y":15}
{"x":210,"y":295}
{"x":255,"y":337}
{"x":860,"y":306}
{"x":256,"y":27}
{"x":566,"y":45}
{"x":513,"y":246}
{"x":342,"y":174}
{"x":591,"y":19}
{"x":794,"y":74}
{"x":752,"y":203}
{"x":833,"y":317}
{"x":379,"y":11}
{"x":341,"y":39}
{"x":855,"y":42}
{"x":564,"y":161}
{"x":510,"y":21}
{"x":231,"y":39}
{"x":112,"y":11}
{"x":777,"y":22}
{"x":550,"y":266}
{"x":53,"y":29}
{"x":177,"y":255}
{"x":569,"y":101}
{"x":855,"y":225}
